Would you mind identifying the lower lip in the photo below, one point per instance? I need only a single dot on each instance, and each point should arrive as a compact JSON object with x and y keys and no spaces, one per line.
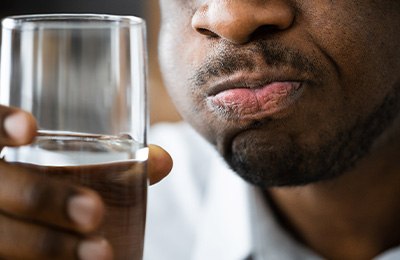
{"x":256,"y":103}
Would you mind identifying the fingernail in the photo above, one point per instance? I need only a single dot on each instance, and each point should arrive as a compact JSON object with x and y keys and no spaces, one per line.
{"x":95,"y":249}
{"x":16,"y":126}
{"x":85,"y":211}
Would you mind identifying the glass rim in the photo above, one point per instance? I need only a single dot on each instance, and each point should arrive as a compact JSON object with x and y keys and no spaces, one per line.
{"x":69,"y":20}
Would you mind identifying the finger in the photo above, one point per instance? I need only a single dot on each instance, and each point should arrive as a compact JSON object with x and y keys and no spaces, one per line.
{"x":159,"y":164}
{"x":21,"y":240}
{"x":18,"y":127}
{"x":30,"y":196}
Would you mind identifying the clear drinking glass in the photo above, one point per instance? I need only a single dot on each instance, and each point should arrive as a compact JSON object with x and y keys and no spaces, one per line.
{"x":83,"y":77}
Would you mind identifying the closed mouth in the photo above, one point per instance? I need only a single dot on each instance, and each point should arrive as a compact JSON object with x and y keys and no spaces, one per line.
{"x":246,"y":99}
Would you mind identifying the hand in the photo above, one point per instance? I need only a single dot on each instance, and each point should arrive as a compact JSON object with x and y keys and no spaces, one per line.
{"x":43,"y":218}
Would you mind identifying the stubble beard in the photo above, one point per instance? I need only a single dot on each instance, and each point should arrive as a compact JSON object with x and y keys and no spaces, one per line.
{"x":295,"y":165}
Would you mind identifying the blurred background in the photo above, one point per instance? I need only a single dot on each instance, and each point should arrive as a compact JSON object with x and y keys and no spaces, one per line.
{"x":161,"y":108}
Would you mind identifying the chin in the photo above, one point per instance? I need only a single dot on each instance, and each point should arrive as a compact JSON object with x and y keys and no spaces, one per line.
{"x":277,"y":175}
{"x":284,"y":168}
{"x":269,"y":158}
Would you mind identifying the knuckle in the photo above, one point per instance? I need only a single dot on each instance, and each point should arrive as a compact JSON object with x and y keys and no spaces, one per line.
{"x":47,"y":200}
{"x":38,"y":197}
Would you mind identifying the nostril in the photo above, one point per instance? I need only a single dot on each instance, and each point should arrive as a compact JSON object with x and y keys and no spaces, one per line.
{"x":207,"y":32}
{"x":265,"y":30}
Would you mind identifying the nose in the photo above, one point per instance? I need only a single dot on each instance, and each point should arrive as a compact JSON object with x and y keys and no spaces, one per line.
{"x":239,"y":20}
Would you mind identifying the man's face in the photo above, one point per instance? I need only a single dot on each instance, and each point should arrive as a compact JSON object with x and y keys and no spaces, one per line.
{"x":289,"y":91}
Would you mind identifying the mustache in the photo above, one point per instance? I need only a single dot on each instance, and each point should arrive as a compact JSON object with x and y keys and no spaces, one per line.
{"x":228,"y":60}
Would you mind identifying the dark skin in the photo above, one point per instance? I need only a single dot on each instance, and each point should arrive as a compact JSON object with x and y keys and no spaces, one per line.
{"x":329,"y":159}
{"x":53,"y":231}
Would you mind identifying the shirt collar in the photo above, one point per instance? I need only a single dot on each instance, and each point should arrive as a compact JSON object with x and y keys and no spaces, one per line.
{"x":269,"y":239}
{"x":236,"y":219}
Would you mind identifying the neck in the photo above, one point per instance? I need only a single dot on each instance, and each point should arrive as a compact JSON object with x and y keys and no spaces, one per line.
{"x":352,"y":217}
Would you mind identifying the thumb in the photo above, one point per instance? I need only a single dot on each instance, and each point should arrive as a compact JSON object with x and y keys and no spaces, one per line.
{"x":159,"y":164}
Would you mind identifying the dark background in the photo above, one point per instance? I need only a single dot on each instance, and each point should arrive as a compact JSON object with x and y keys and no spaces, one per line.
{"x":12,"y":7}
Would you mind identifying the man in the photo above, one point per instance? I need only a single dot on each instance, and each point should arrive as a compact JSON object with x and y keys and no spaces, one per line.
{"x":300,"y":97}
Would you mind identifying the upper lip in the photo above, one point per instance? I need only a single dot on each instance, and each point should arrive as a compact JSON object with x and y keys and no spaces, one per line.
{"x":250,"y":80}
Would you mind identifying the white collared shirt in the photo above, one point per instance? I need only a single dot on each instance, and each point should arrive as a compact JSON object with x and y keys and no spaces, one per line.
{"x":203,"y":211}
